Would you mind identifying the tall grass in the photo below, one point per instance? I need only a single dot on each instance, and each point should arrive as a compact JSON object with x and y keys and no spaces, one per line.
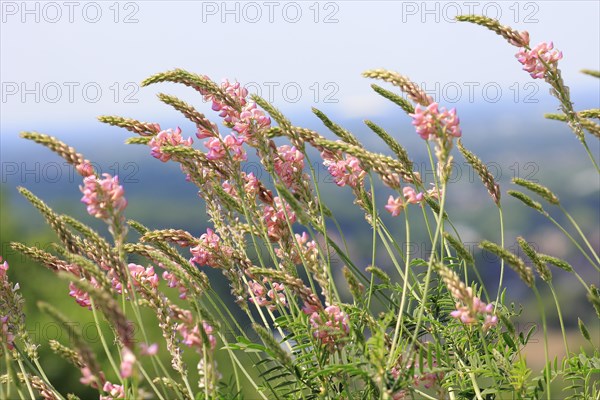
{"x":422,"y":327}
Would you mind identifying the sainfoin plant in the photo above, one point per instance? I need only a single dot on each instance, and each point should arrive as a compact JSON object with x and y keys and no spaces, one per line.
{"x":419,"y":328}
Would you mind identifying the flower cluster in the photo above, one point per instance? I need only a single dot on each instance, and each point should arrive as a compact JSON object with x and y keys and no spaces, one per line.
{"x":81,"y":297}
{"x":308,"y":250}
{"x":520,"y":40}
{"x":143,"y":276}
{"x":430,"y":120}
{"x":148,"y":349}
{"x":537,"y":60}
{"x":217,"y":148}
{"x":468,"y":314}
{"x":6,"y":334}
{"x":251,"y":117}
{"x":289,"y":164}
{"x":127,"y":362}
{"x":103,"y":196}
{"x":251,"y":185}
{"x":345,"y":171}
{"x":275,"y":218}
{"x":208,"y":251}
{"x":396,"y":205}
{"x":261,"y":297}
{"x":192,"y":337}
{"x":243,"y":117}
{"x":89,"y":379}
{"x":114,"y":391}
{"x":172,"y":282}
{"x":330,"y":326}
{"x":167,"y":138}
{"x":427,"y":379}
{"x":229,"y":113}
{"x":3,"y":270}
{"x":85,"y":168}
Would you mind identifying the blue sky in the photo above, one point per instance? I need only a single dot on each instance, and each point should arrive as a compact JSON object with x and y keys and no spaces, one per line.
{"x":64,"y":63}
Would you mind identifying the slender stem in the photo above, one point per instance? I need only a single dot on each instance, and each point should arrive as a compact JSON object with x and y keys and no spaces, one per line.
{"x":501,"y":260}
{"x":393,"y":357}
{"x":590,"y":155}
{"x":568,"y":235}
{"x":25,"y":378}
{"x":546,"y":351}
{"x":576,"y":226}
{"x":475,"y":386}
{"x":149,"y":379}
{"x":430,"y":266}
{"x":560,"y":319}
{"x":103,"y":341}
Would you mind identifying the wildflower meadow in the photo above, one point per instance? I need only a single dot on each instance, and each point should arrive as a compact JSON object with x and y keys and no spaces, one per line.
{"x":420,"y":327}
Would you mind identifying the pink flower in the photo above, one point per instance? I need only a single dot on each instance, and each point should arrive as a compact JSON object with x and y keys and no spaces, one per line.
{"x":103,"y":196}
{"x":82,"y":298}
{"x":489,"y":322}
{"x":6,"y":334}
{"x":216,"y":151}
{"x":533,"y":60}
{"x":3,"y":268}
{"x":310,"y":308}
{"x":172,"y":282}
{"x":277,"y":296}
{"x":469,"y":313}
{"x":400,"y":395}
{"x":85,"y":168}
{"x":450,"y":123}
{"x":263,"y":298}
{"x":148,"y":350}
{"x":204,"y":133}
{"x":522,"y":41}
{"x":344,"y":171}
{"x":115,"y":281}
{"x":217,"y":148}
{"x":308,"y":250}
{"x":463,"y":314}
{"x":208,"y":251}
{"x":251,"y":185}
{"x":434,"y":192}
{"x":395,"y":206}
{"x":114,"y":391}
{"x":244,"y":119}
{"x":127,"y":362}
{"x":87,"y":378}
{"x":275,"y":218}
{"x":425,"y":121}
{"x":193,"y":337}
{"x":229,"y":113}
{"x":427,"y":379}
{"x":145,"y":276}
{"x":257,"y":294}
{"x":289,"y":164}
{"x":250,"y":117}
{"x":330,"y":326}
{"x":411,"y":195}
{"x":167,"y":138}
{"x":234,"y":145}
{"x":428,"y":120}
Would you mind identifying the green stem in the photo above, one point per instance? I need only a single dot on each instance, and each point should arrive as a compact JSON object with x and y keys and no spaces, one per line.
{"x":560,"y":319}
{"x":568,"y":235}
{"x":545,"y":329}
{"x":576,"y":226}
{"x":25,"y":378}
{"x":502,"y":260}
